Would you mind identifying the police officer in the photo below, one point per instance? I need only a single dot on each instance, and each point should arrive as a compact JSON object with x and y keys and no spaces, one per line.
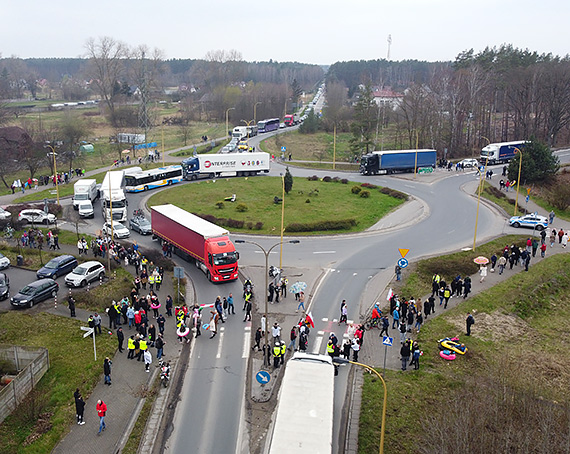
{"x":151,"y":280}
{"x":131,"y":347}
{"x":142,"y":348}
{"x":158,"y":281}
{"x":330,"y":348}
{"x":276,"y":354}
{"x":283,"y":350}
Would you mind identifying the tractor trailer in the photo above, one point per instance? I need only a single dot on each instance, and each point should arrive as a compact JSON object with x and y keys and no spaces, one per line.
{"x":196,"y":239}
{"x":381,"y":162}
{"x":113,"y":195}
{"x":225,"y":165}
{"x":498,"y":153}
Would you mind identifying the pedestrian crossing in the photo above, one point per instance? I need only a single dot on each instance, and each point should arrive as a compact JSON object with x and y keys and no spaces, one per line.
{"x":330,"y":328}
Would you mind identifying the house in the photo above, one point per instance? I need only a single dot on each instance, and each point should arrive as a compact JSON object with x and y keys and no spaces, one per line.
{"x":387,"y":97}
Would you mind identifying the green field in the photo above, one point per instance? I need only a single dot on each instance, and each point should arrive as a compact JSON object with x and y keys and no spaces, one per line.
{"x":509,"y":393}
{"x":308,"y":201}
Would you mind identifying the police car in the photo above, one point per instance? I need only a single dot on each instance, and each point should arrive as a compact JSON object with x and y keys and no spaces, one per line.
{"x":533,"y":221}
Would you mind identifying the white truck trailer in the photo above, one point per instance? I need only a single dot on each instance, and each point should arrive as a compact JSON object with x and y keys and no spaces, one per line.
{"x":225,"y":165}
{"x":84,"y":189}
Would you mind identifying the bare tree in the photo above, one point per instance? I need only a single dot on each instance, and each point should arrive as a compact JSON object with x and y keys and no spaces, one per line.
{"x":13,"y":141}
{"x":72,"y":130}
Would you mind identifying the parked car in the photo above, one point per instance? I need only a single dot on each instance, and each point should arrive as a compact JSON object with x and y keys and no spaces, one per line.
{"x":86,"y":209}
{"x":533,"y":221}
{"x":84,"y":273}
{"x":4,"y":262}
{"x":58,"y":266}
{"x":4,"y":286}
{"x":119,"y":230}
{"x":36,"y":216}
{"x":469,"y":163}
{"x":4,"y":215}
{"x":35,"y":292}
{"x":141,"y":225}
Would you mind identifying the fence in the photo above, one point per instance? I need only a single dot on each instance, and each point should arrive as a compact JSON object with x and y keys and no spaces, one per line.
{"x":32,"y":364}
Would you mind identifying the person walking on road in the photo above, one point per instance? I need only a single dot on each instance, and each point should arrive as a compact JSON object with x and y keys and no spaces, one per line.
{"x":293,"y":338}
{"x":247,"y":310}
{"x":343,"y":312}
{"x":301,"y":301}
{"x":385,"y":326}
{"x":79,"y":407}
{"x":147,"y":360}
{"x":276,"y":332}
{"x":396,"y":315}
{"x":551,"y":216}
{"x":483,"y":273}
{"x":258,"y":336}
{"x":231,"y":308}
{"x":107,"y":370}
{"x":398,"y":272}
{"x":120,"y":339}
{"x":101,"y":412}
{"x":466,"y":286}
{"x":469,"y":322}
{"x":355,"y":349}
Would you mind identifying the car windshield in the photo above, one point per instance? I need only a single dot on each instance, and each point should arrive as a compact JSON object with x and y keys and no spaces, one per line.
{"x":52,"y":264}
{"x":86,"y":206}
{"x":1,"y":255}
{"x":80,"y":270}
{"x":2,"y":280}
{"x":227,"y":258}
{"x":144,"y":222}
{"x":28,"y":290}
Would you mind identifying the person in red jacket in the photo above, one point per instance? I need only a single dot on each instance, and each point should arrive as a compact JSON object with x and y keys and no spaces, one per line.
{"x":101,"y":412}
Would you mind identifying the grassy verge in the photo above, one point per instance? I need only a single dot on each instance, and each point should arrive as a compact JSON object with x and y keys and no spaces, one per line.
{"x":71,"y":366}
{"x":255,"y":207}
{"x":99,"y":298}
{"x":513,"y":377}
{"x":132,"y":445}
{"x":206,"y":148}
{"x":417,"y":281}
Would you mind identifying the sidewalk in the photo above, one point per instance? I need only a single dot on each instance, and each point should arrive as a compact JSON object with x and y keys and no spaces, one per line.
{"x":125,"y":397}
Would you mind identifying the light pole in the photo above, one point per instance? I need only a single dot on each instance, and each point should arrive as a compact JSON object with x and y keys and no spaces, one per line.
{"x":227,"y":118}
{"x":54,"y":154}
{"x":255,"y":111}
{"x":266,"y":253}
{"x":416,"y":161}
{"x":282,"y":218}
{"x":479,"y":193}
{"x":518,"y":179}
{"x":384,"y":404}
{"x":110,"y":221}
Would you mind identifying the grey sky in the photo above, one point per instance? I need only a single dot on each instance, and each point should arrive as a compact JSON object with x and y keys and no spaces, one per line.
{"x":311,"y":31}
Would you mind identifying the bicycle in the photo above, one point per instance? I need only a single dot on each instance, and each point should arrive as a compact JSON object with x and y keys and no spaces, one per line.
{"x":373,"y":323}
{"x":138,"y":213}
{"x":8,"y":232}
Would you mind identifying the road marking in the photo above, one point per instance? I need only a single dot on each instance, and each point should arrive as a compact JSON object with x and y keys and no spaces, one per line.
{"x":354,"y":274}
{"x":449,"y":233}
{"x":324,"y":252}
{"x":246,"y":344}
{"x":220,"y":341}
{"x":409,"y":186}
{"x":321,"y":333}
{"x":325,"y":319}
{"x":318,"y":342}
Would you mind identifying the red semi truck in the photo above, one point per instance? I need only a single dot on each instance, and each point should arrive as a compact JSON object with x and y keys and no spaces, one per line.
{"x":193,"y":237}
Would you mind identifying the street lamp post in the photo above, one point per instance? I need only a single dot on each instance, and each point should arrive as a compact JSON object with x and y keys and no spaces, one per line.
{"x":227,"y":119}
{"x":282,"y":218}
{"x":255,"y":111}
{"x":518,"y":180}
{"x":266,"y":253}
{"x":384,"y":404}
{"x":110,"y":221}
{"x":479,"y":190}
{"x":54,"y":154}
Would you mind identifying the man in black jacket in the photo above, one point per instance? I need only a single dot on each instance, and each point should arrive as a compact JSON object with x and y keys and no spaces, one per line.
{"x":120,"y":339}
{"x":469,"y":321}
{"x":405,"y":354}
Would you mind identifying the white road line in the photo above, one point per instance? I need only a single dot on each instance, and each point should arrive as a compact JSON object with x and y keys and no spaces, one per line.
{"x":354,"y":274}
{"x":246,"y":344}
{"x":325,"y":319}
{"x":220,"y":342}
{"x":324,"y":252}
{"x":349,"y":322}
{"x":317,"y":346}
{"x":321,"y":333}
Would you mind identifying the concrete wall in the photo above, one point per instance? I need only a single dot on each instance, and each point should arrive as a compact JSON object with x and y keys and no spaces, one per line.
{"x":32,"y":364}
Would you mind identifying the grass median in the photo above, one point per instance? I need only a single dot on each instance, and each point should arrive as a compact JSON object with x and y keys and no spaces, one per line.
{"x":513,"y":378}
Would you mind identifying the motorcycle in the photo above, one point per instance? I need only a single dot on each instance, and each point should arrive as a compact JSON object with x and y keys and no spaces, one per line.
{"x":274,"y":271}
{"x":164,"y":373}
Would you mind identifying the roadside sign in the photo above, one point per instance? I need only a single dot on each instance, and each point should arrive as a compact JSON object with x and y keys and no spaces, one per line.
{"x":402,"y":263}
{"x":283,"y":149}
{"x":263,"y":377}
{"x":527,"y":197}
{"x":89,"y":331}
{"x":388,"y":341}
{"x":527,"y":191}
{"x":179,"y":272}
{"x":403,"y":252}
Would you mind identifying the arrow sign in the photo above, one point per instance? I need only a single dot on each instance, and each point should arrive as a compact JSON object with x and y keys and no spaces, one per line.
{"x":283,"y":148}
{"x":387,"y":341}
{"x":403,"y":263}
{"x":263,"y":377}
{"x":89,"y":331}
{"x":403,"y":252}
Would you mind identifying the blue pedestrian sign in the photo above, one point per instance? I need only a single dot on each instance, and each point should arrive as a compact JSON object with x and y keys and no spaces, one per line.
{"x":283,"y":149}
{"x":387,"y":341}
{"x":402,"y":263}
{"x":263,"y":377}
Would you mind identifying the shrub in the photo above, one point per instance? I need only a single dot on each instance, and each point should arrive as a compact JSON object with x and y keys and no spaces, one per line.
{"x":308,"y":201}
{"x":341,"y":224}
{"x":356,"y":189}
{"x":258,"y":225}
{"x":220,"y":205}
{"x":313,"y":178}
{"x":336,"y":179}
{"x":344,"y":181}
{"x":249,"y":225}
{"x":369,"y":185}
{"x":327,"y":179}
{"x":234,"y":223}
{"x":394,"y":193}
{"x":496,"y":192}
{"x":241,"y":208}
{"x":365,"y":194}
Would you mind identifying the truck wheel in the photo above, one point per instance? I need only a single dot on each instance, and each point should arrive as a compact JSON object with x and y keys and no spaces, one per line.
{"x":193,"y":177}
{"x":212,"y":175}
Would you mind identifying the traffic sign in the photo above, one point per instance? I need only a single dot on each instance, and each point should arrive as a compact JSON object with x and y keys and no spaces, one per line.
{"x":402,"y":263}
{"x":403,"y":252}
{"x":283,"y":149}
{"x":527,"y":197}
{"x":179,"y":272}
{"x":388,"y":341}
{"x":89,"y":331}
{"x":263,"y":377}
{"x":527,"y":191}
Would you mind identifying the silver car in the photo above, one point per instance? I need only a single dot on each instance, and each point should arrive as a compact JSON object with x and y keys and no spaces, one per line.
{"x":36,"y":216}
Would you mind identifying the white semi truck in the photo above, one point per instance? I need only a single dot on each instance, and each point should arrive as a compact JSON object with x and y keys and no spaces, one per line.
{"x":225,"y":165}
{"x":113,"y":195}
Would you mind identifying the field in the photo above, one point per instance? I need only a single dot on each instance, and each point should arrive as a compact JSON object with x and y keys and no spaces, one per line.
{"x":309,"y":201}
{"x":509,"y":393}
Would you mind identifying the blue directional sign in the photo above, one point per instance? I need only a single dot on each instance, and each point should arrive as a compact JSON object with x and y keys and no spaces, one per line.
{"x":388,"y":341}
{"x":283,"y":149}
{"x":403,"y":263}
{"x":263,"y":377}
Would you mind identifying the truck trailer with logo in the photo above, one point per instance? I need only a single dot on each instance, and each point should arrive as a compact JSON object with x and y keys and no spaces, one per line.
{"x":225,"y":165}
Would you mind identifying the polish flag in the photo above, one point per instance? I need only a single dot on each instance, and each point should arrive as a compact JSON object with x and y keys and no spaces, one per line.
{"x":309,"y":318}
{"x":390,"y":294}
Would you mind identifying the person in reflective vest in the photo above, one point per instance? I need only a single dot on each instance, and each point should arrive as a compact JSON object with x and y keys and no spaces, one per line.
{"x":142,"y":347}
{"x":158,"y":281}
{"x":151,"y":279}
{"x":283,"y":351}
{"x":330,"y":348}
{"x":276,"y":354}
{"x":131,"y":347}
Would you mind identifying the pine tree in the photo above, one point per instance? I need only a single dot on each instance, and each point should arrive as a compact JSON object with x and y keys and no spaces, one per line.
{"x":364,"y":123}
{"x":288,"y":181}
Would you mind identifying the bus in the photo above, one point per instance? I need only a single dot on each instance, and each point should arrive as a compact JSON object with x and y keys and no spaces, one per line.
{"x":143,"y":180}
{"x":268,"y":125}
{"x":304,"y":418}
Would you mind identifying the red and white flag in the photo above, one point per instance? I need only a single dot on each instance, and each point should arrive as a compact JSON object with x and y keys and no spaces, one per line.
{"x":390,"y":294}
{"x":309,"y":318}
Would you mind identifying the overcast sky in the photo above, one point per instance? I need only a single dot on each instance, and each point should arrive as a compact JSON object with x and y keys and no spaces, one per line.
{"x":310,"y":31}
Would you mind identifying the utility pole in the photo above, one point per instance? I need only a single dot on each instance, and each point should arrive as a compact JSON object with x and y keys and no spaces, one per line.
{"x":389,"y":44}
{"x":144,"y":122}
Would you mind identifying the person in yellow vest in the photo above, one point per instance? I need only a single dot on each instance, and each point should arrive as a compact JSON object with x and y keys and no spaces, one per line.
{"x":330,"y":348}
{"x":143,"y":346}
{"x":151,"y":279}
{"x":144,"y":263}
{"x":131,"y":347}
{"x":158,"y":281}
{"x":276,"y":354}
{"x":283,"y":351}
